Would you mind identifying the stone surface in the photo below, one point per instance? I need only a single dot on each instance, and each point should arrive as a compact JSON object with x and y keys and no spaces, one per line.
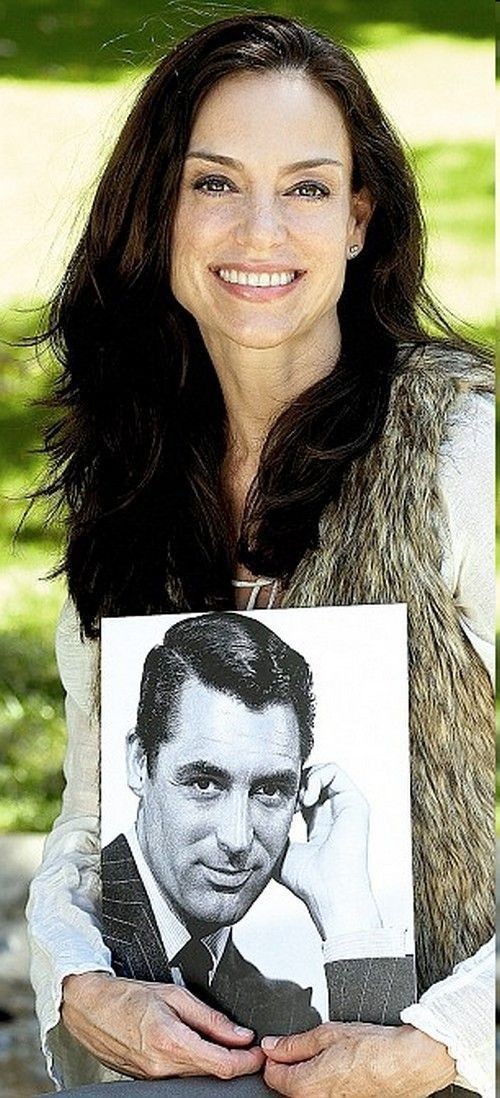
{"x":22,"y":1068}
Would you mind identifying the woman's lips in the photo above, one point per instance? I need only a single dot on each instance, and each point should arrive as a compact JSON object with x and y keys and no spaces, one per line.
{"x":257,"y":293}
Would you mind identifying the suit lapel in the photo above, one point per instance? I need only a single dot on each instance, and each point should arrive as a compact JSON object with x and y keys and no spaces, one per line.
{"x":130,"y":928}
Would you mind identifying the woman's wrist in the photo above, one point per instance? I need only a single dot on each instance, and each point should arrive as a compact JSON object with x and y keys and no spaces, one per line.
{"x":423,"y":1064}
{"x":78,"y":983}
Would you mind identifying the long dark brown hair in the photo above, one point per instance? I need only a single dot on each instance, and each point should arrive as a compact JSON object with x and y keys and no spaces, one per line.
{"x":140,"y":435}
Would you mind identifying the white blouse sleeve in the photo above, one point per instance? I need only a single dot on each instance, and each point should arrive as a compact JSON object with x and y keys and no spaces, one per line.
{"x":467,"y":489}
{"x":63,"y":927}
{"x":459,"y":1011}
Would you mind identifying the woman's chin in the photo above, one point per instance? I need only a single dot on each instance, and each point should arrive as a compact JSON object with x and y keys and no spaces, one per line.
{"x":260,"y":338}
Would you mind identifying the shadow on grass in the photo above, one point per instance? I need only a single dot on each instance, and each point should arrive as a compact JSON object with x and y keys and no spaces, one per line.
{"x":98,"y":39}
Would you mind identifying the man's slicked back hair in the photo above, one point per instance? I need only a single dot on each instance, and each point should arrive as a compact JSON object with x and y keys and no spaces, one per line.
{"x":230,"y":652}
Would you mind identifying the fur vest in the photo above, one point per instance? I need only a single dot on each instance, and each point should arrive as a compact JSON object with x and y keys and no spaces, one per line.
{"x":382,"y":542}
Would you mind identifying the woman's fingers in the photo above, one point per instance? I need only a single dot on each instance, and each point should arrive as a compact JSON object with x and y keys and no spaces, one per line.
{"x":107,"y":1047}
{"x":181,"y":1047}
{"x":205,"y":1018}
{"x":285,"y":1079}
{"x":166,"y":1047}
{"x":150,"y":1031}
{"x":299,"y":1046}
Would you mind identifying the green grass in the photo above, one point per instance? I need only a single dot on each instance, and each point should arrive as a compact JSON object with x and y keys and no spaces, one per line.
{"x":31,"y":721}
{"x":95,"y":39}
{"x":32,"y":735}
{"x":460,"y":225}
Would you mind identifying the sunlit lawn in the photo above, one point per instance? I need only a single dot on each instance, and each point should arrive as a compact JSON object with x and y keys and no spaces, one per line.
{"x":31,"y":725}
{"x":96,"y":39}
{"x":456,"y":181}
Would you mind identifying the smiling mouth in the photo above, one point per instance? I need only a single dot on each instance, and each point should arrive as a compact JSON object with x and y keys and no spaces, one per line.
{"x":257,"y":286}
{"x":256,"y":279}
{"x":228,"y":880}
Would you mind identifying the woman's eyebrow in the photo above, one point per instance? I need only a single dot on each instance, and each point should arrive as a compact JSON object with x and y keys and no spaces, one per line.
{"x":202,"y":154}
{"x":316,"y":162}
{"x":298,"y":165}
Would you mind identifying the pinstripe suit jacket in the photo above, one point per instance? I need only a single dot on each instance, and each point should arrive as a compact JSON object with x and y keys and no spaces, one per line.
{"x":373,"y":989}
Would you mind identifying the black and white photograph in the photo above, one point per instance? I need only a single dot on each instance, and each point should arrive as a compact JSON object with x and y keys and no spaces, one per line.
{"x":256,"y":811}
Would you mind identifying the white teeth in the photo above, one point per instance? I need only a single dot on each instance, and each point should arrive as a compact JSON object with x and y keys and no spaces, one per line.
{"x":254,"y":278}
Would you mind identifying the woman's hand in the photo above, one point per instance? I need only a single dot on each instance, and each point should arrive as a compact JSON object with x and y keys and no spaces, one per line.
{"x":357,"y":1060}
{"x":329,"y":872}
{"x":152,"y":1031}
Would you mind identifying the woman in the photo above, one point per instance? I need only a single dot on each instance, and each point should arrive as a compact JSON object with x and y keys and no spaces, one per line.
{"x":252,"y":413}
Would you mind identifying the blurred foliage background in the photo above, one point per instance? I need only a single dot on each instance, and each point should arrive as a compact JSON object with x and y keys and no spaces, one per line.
{"x":68,"y":73}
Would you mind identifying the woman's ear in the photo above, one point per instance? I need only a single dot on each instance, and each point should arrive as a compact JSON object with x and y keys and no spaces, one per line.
{"x":362,"y":207}
{"x":137,"y":764}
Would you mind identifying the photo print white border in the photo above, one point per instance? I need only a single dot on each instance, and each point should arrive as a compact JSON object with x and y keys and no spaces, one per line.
{"x":358,"y":659}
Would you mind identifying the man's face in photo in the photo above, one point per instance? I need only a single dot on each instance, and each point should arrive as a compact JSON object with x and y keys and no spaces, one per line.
{"x":216,"y":809}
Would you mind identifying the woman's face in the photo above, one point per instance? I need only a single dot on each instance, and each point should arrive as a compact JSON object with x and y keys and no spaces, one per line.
{"x":265,"y":214}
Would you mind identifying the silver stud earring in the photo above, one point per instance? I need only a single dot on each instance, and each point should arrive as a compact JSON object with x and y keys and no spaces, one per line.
{"x":353,"y":250}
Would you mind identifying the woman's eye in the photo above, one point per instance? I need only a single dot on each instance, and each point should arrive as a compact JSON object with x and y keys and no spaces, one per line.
{"x":213,"y":184}
{"x":311,"y":189}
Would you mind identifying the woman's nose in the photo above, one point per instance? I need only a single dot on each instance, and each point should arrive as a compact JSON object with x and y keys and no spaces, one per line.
{"x":235,"y":830}
{"x":261,"y":225}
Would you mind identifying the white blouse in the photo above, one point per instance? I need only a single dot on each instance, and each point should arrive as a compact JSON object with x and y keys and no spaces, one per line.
{"x":64,"y":930}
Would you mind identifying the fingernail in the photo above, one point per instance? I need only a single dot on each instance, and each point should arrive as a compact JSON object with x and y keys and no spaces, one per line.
{"x":269,"y":1042}
{"x":242,"y":1031}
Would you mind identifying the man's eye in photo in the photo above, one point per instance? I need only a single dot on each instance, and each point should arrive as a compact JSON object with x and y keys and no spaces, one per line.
{"x":204,"y":784}
{"x":271,"y":791}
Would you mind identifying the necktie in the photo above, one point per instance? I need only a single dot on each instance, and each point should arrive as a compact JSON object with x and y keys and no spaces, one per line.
{"x":195,"y":963}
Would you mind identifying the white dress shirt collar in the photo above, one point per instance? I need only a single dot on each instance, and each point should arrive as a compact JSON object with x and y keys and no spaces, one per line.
{"x":173,"y":933}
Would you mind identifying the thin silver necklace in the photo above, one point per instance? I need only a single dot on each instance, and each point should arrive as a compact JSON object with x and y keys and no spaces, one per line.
{"x":255,"y":587}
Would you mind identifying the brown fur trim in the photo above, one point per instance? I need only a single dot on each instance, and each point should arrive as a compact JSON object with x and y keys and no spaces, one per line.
{"x":382,"y":542}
